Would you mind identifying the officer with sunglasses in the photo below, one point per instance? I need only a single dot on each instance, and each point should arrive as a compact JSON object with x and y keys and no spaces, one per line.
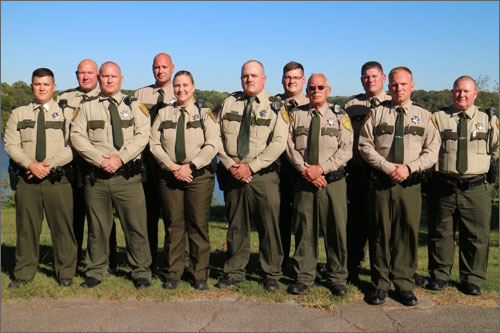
{"x":319,"y":146}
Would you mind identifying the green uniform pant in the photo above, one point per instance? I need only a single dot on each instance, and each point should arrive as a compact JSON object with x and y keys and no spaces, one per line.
{"x":259,"y":201}
{"x":127,"y":196}
{"x":395,"y":218}
{"x":312,"y":209}
{"x":357,"y":217}
{"x":32,"y":200}
{"x":187,"y":208}
{"x":471,"y":209}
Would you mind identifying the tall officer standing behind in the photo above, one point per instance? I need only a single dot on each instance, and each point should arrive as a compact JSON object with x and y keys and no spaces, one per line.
{"x":110,"y":132}
{"x":461,"y":190}
{"x":319,"y":146}
{"x":37,"y":141}
{"x":86,"y":74}
{"x":293,"y":81}
{"x":399,"y":141}
{"x":372,"y":80}
{"x":254,"y":128}
{"x":185,"y":138}
{"x":154,"y":97}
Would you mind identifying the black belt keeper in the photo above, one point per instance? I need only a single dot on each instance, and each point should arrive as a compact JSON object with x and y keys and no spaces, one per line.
{"x":462,"y":184}
{"x":335,"y":175}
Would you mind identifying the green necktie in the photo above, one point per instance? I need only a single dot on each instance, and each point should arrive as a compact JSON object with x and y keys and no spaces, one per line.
{"x":399,"y":153}
{"x":180,"y":144}
{"x":314,"y":139}
{"x":462,"y":144}
{"x":41,"y":147}
{"x":159,"y":104}
{"x":116,"y":124}
{"x":243,"y":147}
{"x":374,"y":102}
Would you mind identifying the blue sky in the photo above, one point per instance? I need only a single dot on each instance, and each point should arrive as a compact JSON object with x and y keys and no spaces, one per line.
{"x":439,"y":41}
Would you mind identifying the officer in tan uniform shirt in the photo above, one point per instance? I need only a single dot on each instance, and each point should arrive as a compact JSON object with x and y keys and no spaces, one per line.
{"x":254,"y":128}
{"x":293,"y":81}
{"x":319,"y":146}
{"x":154,"y":97}
{"x":399,"y":141}
{"x":373,"y":80}
{"x":86,"y":75}
{"x":461,"y":192}
{"x":110,"y":132}
{"x":39,"y":155}
{"x":186,"y":156}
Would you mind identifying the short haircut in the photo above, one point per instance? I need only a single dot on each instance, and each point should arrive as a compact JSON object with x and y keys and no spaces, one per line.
{"x":291,"y":66}
{"x":369,"y":65}
{"x":464,"y":77}
{"x":318,"y":74}
{"x":400,"y":69}
{"x":41,"y":72}
{"x":257,"y":62}
{"x":179,"y":73}
{"x":110,"y":63}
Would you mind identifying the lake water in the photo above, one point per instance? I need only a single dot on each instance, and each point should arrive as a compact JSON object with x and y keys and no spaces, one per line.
{"x":5,"y":167}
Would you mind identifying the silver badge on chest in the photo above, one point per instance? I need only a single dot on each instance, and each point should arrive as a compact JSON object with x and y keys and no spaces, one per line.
{"x":415,"y":119}
{"x":55,"y":115}
{"x":262,"y":113}
{"x":196,"y":117}
{"x":331,"y":121}
{"x":479,"y":126}
{"x":124,"y":113}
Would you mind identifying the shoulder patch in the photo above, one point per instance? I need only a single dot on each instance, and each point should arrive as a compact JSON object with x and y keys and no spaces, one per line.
{"x":434,"y":121}
{"x":497,"y":124}
{"x":346,"y":121}
{"x":144,"y":109}
{"x":75,"y":113}
{"x":211,"y":115}
{"x":284,"y":115}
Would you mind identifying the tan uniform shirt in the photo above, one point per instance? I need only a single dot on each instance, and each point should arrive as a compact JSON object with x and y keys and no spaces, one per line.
{"x":201,"y":132}
{"x":301,"y":99}
{"x":478,"y":126}
{"x":149,"y":95}
{"x":335,"y":140}
{"x":92,"y":133}
{"x":264,"y":122}
{"x":21,"y":131}
{"x":421,"y":139}
{"x":76,"y":96}
{"x":357,"y":108}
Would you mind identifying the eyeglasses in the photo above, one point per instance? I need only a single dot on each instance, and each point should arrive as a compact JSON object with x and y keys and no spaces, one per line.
{"x":313,"y":88}
{"x":292,"y":78}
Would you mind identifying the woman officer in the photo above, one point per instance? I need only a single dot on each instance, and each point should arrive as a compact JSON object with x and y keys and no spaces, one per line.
{"x":184,"y":140}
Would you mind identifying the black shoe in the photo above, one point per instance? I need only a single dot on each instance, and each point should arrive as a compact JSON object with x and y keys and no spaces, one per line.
{"x":226,"y":281}
{"x":376,"y":297}
{"x":297,"y":288}
{"x":200,"y":285}
{"x":471,"y":289}
{"x":437,"y":285}
{"x":66,"y":282}
{"x":318,"y":275}
{"x":112,"y":270}
{"x":16,"y":283}
{"x":170,"y":284}
{"x":339,"y":290}
{"x":90,"y":283}
{"x":353,"y":279}
{"x":142,"y":283}
{"x":270,"y":284}
{"x":420,"y":281}
{"x":407,"y":298}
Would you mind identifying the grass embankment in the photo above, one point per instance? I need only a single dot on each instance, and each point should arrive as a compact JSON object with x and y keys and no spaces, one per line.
{"x":120,"y":287}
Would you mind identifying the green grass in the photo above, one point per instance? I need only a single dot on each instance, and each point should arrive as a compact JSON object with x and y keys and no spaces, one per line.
{"x":120,"y":287}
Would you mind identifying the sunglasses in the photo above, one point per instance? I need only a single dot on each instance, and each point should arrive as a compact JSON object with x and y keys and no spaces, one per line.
{"x":313,"y":88}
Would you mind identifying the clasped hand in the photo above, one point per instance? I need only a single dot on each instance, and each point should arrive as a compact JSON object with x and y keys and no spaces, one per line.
{"x":314,"y":175}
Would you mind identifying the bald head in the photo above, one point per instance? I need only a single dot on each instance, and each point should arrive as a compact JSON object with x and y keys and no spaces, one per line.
{"x":86,"y":74}
{"x":163,"y":69}
{"x":110,"y":78}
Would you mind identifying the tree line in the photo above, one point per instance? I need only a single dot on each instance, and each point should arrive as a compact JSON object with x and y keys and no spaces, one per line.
{"x":19,"y":93}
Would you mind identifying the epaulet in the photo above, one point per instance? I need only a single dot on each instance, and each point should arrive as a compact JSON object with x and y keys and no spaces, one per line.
{"x":444,"y":108}
{"x":129,"y":99}
{"x":276,"y":103}
{"x":86,"y":98}
{"x":238,"y":94}
{"x":337,"y":109}
{"x":491,"y":111}
{"x":68,"y":91}
{"x":386,"y":102}
{"x":359,"y":95}
{"x":416,"y":104}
